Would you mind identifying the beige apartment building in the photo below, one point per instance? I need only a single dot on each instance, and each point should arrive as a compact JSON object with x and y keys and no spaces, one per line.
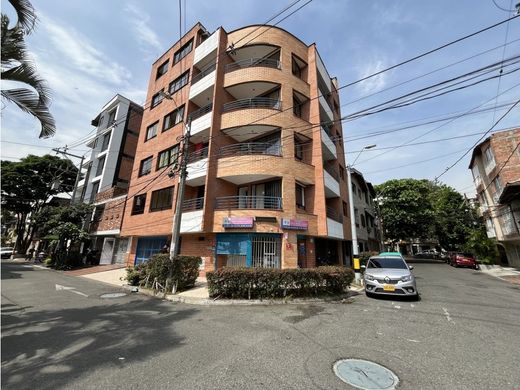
{"x":495,"y":165}
{"x":266,"y":183}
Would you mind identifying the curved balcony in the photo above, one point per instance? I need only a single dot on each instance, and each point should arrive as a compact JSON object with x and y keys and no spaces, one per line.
{"x":251,"y":148}
{"x":248,"y":202}
{"x":256,"y":102}
{"x":253,"y":62}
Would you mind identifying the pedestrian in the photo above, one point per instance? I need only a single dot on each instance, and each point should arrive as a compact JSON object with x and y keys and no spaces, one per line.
{"x":29,"y":254}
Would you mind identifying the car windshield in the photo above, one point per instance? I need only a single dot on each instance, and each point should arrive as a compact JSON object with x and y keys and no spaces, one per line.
{"x":467,"y":254}
{"x":386,"y":262}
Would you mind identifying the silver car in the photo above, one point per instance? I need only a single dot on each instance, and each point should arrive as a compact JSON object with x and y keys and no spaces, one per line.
{"x":389,"y":275}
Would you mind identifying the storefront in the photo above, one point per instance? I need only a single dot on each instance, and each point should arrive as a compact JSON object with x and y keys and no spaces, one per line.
{"x":249,"y":250}
{"x":149,"y":246}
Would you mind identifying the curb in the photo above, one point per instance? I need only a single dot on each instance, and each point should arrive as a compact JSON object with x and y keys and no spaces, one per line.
{"x":245,"y":302}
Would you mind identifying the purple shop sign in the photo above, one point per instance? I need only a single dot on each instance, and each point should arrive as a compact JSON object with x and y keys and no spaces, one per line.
{"x":238,"y":222}
{"x":294,"y":224}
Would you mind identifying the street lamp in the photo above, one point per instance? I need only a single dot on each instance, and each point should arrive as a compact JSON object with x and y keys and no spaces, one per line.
{"x":355,"y":248}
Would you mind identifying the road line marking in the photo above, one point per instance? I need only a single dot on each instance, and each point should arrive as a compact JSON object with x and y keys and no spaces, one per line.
{"x":59,"y":287}
{"x":41,"y":267}
{"x":413,"y":341}
{"x":446,"y":314}
{"x":79,"y":293}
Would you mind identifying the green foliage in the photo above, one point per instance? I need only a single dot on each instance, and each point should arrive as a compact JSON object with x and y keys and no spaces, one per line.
{"x":66,"y":260}
{"x":262,"y":283}
{"x":405,"y":208}
{"x":17,"y":66}
{"x":181,"y":271}
{"x":483,"y":247}
{"x":26,"y":187}
{"x":422,"y":209}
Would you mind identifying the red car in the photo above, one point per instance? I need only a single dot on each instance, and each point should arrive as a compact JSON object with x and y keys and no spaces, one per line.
{"x":463,"y":259}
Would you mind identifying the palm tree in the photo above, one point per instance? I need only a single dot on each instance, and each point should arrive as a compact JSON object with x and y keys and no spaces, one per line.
{"x":18,"y":67}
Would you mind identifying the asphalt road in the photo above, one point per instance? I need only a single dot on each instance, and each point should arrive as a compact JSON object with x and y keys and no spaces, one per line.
{"x":464,"y":333}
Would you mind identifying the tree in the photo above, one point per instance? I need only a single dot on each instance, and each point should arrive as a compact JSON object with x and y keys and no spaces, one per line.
{"x":483,"y":247}
{"x":453,"y":217}
{"x":28,"y":184}
{"x":19,"y":68}
{"x":405,"y":208}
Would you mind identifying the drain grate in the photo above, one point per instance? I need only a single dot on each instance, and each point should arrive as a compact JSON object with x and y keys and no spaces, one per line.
{"x":365,"y":374}
{"x":112,"y":295}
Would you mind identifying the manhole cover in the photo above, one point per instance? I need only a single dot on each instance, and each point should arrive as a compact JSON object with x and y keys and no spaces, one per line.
{"x":112,"y":295}
{"x":366,"y":375}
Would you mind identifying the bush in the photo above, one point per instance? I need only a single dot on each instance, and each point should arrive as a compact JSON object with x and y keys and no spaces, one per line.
{"x":66,"y":260}
{"x":183,"y":271}
{"x":261,"y":283}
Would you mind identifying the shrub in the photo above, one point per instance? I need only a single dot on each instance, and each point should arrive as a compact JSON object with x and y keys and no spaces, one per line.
{"x":66,"y":260}
{"x":182,"y":270}
{"x":252,"y":283}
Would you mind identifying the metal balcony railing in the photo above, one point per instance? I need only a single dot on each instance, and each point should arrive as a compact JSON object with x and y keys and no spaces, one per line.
{"x":249,"y":202}
{"x":201,"y":111}
{"x":334,"y":215}
{"x":332,"y":172}
{"x":256,"y":102}
{"x":252,"y":62}
{"x":249,"y":148}
{"x":203,"y":73}
{"x":198,"y":155}
{"x":193,"y":204}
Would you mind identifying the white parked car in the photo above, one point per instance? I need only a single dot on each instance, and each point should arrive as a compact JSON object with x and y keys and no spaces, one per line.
{"x":6,"y":252}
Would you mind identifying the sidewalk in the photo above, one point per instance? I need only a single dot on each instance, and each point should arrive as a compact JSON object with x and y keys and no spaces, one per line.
{"x":508,"y":274}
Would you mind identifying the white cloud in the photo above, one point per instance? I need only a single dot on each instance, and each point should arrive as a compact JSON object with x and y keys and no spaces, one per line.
{"x":77,"y":50}
{"x":375,"y":83}
{"x":146,"y":37}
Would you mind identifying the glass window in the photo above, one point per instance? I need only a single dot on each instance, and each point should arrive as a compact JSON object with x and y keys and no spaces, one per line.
{"x":112,"y":116}
{"x":297,"y":106}
{"x":151,"y":131}
{"x":345,"y":209}
{"x":167,"y":157}
{"x":106,"y":141}
{"x":162,"y":69}
{"x":146,"y":166}
{"x":162,"y":199}
{"x":183,"y":51}
{"x":354,"y":189}
{"x":386,"y":262}
{"x":489,"y":155}
{"x":300,"y":196}
{"x":139,"y":202}
{"x":157,"y":98}
{"x":100,"y":166}
{"x":94,"y":191}
{"x":498,"y":185}
{"x":173,"y":118}
{"x":363,"y":223}
{"x":179,"y":82}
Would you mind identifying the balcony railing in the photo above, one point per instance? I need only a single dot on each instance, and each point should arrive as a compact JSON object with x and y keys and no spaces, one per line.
{"x":204,"y":72}
{"x":249,"y":202}
{"x":193,"y":204}
{"x":249,"y":148}
{"x":198,"y":155}
{"x":201,"y":111}
{"x":332,"y":172}
{"x":256,"y":102}
{"x":251,"y":62}
{"x":334,"y":215}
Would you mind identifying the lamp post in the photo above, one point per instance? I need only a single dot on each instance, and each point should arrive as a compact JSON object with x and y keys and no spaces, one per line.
{"x":355,"y":248}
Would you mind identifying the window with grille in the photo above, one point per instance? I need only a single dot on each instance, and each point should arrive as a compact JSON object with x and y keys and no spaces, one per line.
{"x":161,"y":199}
{"x":139,"y":203}
{"x":179,"y":82}
{"x":167,"y":157}
{"x":173,"y":118}
{"x":146,"y":166}
{"x":151,"y":131}
{"x":183,"y":51}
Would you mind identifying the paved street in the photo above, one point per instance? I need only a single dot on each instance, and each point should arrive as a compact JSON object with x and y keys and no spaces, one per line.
{"x":462,"y":334}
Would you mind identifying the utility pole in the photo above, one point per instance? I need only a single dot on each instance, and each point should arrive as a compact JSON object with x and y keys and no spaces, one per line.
{"x":78,"y":175}
{"x":183,"y":172}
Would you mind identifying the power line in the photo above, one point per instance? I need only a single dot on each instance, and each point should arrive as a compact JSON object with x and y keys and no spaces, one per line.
{"x":476,"y":143}
{"x":503,"y":165}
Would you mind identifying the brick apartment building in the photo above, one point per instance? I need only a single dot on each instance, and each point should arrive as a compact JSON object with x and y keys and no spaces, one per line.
{"x":106,"y":175}
{"x":266,"y":173}
{"x":495,"y":165}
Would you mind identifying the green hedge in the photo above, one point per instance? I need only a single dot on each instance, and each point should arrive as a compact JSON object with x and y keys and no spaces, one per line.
{"x":262,"y":283}
{"x":183,"y":271}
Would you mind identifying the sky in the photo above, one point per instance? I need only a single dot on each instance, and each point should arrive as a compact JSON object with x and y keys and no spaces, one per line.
{"x":88,"y":51}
